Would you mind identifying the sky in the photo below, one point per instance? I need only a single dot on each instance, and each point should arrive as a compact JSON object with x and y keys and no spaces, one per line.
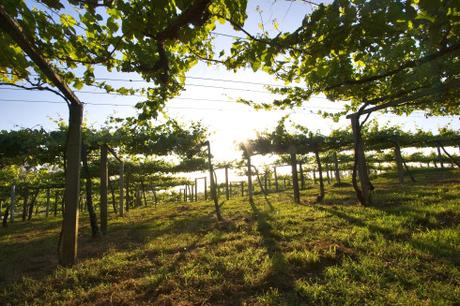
{"x":229,"y":123}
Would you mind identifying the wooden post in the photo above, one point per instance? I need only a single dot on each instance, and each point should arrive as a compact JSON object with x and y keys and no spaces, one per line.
{"x":320,"y":173}
{"x":103,"y":189}
{"x":25,"y":204}
{"x":242,"y":189}
{"x":361,"y":166}
{"x":138,"y":196}
{"x":56,"y":199}
{"x":327,"y":174}
{"x":128,"y":195}
{"x":32,"y":203}
{"x":277,"y":187}
{"x":196,"y":190}
{"x":295,"y":178}
{"x":205,"y":188}
{"x":302,"y":176}
{"x":227,"y":192}
{"x":143,"y":192}
{"x":112,"y":192}
{"x":190,"y":192}
{"x":250,"y":190}
{"x":12,"y":203}
{"x":121,"y":208}
{"x":155,"y":196}
{"x":47,"y":211}
{"x":185,"y":193}
{"x":336,"y":168}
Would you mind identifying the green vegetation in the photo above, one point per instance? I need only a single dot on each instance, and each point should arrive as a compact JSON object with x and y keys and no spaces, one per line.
{"x":402,"y":250}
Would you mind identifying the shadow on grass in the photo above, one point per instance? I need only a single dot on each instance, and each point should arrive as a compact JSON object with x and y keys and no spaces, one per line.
{"x":279,"y":276}
{"x":437,"y":249}
{"x":37,"y":257}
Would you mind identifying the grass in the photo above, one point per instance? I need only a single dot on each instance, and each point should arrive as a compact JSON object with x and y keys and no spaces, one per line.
{"x":403,"y":250}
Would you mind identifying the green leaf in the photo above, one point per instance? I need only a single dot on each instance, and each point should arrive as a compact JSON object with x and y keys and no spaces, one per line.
{"x":67,"y":21}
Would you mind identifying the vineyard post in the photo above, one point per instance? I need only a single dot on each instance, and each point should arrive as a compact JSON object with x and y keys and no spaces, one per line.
{"x":212,"y":183}
{"x":155,"y":196}
{"x":12,"y":202}
{"x":276,"y":179}
{"x":242,"y":189}
{"x":295,"y":178}
{"x":336,"y":167}
{"x":142,"y":193}
{"x":25,"y":203}
{"x":327,"y":173}
{"x":227,"y":194}
{"x":112,"y":192}
{"x":47,"y":211}
{"x":121,"y":208}
{"x":56,"y":199}
{"x":250,"y":190}
{"x":320,"y":174}
{"x":302,"y":176}
{"x":128,"y":194}
{"x":196,"y":190}
{"x":190,"y":192}
{"x":103,"y":189}
{"x":205,"y":188}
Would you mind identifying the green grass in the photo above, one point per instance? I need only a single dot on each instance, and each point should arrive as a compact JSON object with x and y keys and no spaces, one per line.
{"x":403,"y":250}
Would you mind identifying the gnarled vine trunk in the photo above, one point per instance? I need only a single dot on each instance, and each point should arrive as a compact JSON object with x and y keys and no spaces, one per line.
{"x":69,"y":234}
{"x":360,"y":166}
{"x":32,"y":204}
{"x":213,"y":184}
{"x":89,"y":194}
{"x":25,"y":204}
{"x":320,"y":197}
{"x":295,"y":177}
{"x":399,"y":162}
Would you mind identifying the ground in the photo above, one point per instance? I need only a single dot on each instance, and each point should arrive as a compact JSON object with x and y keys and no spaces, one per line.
{"x":403,"y":250}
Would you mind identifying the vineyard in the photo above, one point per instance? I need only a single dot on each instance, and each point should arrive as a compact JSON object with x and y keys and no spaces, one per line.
{"x":319,"y":206}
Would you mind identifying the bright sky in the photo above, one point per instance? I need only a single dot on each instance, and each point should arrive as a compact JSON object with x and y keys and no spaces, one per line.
{"x":228,"y":122}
